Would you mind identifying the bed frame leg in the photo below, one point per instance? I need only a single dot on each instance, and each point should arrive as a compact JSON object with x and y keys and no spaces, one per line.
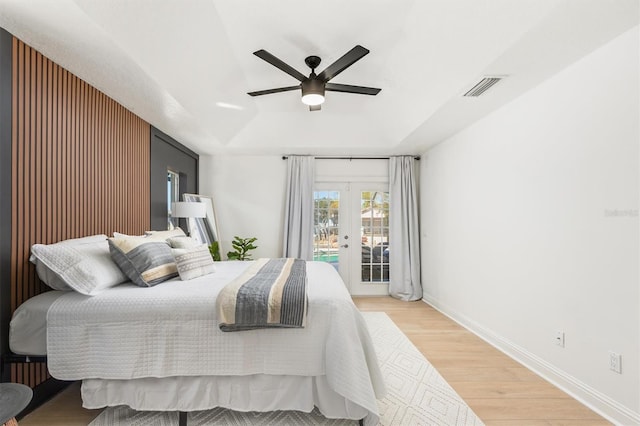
{"x":182,"y":418}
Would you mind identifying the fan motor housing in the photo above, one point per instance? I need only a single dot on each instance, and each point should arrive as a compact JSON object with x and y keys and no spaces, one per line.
{"x":312,"y":86}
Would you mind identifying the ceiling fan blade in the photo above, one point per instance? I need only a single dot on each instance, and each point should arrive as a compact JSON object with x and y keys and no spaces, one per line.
{"x":263,"y":54}
{"x":269,"y":91}
{"x":343,"y":63}
{"x":347,"y":88}
{"x":315,"y":107}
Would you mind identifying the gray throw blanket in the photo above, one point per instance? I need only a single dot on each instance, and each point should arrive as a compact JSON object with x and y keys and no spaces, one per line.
{"x":271,"y":293}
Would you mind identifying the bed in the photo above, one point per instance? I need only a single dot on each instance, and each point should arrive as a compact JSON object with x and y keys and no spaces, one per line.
{"x":160,"y":348}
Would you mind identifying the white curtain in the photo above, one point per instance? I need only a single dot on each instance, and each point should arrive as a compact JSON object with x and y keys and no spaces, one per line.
{"x":404,"y":230}
{"x":298,"y":215}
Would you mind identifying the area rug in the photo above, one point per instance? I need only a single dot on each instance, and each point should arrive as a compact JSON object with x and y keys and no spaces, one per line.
{"x":416,"y":394}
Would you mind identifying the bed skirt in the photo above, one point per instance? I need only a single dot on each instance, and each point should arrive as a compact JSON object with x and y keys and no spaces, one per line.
{"x":258,"y":392}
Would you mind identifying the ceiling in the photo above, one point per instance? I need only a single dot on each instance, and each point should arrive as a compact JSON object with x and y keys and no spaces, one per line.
{"x":185,"y":66}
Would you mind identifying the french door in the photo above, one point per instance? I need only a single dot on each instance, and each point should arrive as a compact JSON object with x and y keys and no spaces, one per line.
{"x":351,"y":232}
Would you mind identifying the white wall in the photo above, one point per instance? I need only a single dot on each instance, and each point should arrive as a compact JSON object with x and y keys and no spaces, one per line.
{"x":248,"y":195}
{"x":331,"y":170}
{"x":530,"y":225}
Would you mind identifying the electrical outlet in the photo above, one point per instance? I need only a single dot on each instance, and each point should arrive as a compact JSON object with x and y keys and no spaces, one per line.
{"x":615,"y":362}
{"x":560,"y":338}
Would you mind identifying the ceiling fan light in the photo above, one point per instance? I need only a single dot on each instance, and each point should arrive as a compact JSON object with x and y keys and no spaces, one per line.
{"x":312,"y":92}
{"x":312,"y":99}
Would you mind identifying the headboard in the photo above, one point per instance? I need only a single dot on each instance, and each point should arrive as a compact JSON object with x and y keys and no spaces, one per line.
{"x":73,"y":162}
{"x":79,"y":165}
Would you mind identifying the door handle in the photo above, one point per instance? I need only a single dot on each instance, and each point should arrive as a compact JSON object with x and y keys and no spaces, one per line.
{"x":345,"y":245}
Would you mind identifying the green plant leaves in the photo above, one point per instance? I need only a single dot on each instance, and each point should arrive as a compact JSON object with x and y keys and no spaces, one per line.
{"x":214,"y":249}
{"x":242,"y":247}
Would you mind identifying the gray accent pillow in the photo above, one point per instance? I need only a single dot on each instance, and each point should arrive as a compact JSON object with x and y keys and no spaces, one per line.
{"x":146,"y":261}
{"x":195,"y":262}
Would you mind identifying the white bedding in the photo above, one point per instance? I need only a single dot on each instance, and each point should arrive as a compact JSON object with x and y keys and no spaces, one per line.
{"x":28,"y":326}
{"x":171,"y":330}
{"x":258,"y":392}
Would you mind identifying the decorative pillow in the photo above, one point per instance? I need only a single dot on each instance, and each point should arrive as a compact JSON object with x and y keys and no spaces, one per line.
{"x":195,"y":262}
{"x":182,"y":242}
{"x":177,"y":232}
{"x":121,"y":235}
{"x":146,"y":261}
{"x":84,"y":267}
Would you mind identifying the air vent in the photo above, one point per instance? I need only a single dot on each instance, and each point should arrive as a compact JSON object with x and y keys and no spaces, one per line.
{"x":482,"y":86}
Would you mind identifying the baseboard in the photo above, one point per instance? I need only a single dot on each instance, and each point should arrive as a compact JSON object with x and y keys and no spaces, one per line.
{"x":595,"y":400}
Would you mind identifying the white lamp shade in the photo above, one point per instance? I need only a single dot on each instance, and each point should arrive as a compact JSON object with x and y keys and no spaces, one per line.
{"x":188,"y":209}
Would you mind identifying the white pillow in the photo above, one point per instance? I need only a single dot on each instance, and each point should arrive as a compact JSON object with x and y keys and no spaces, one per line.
{"x":84,"y":240}
{"x":48,"y":276}
{"x":85,"y":268}
{"x":121,"y":235}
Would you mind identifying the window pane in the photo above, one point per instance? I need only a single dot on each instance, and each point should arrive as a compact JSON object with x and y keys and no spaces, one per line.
{"x":173,"y":195}
{"x":374,"y":225}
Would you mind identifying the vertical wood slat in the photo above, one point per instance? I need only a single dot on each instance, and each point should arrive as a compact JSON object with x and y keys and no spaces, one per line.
{"x":15,"y":87}
{"x":80,"y":166}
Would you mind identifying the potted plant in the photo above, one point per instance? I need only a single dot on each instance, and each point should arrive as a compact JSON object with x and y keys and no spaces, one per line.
{"x":242,"y":247}
{"x":214,"y":249}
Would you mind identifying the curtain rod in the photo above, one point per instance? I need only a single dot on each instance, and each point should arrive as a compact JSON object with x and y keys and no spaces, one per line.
{"x":416,"y":157}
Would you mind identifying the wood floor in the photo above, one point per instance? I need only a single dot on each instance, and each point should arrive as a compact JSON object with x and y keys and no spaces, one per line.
{"x":499,"y":390}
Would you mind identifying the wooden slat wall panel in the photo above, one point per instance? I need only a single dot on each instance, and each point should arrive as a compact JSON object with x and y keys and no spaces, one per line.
{"x":80,"y":166}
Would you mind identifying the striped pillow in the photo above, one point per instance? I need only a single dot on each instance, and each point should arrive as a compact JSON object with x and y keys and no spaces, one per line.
{"x":146,"y":261}
{"x":195,"y":262}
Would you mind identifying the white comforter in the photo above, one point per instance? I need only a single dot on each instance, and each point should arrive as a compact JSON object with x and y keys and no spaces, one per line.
{"x":171,"y":330}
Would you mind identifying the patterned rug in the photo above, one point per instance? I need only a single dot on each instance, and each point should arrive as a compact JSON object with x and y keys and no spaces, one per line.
{"x":416,"y":394}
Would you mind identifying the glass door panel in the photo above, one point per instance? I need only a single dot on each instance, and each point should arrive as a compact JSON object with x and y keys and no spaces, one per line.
{"x":326,"y":226}
{"x":331,"y":225}
{"x":374,"y":226}
{"x":370,"y":209}
{"x":351,"y":232}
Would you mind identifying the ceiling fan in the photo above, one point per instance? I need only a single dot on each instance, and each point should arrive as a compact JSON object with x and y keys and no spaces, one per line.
{"x":314,"y":86}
